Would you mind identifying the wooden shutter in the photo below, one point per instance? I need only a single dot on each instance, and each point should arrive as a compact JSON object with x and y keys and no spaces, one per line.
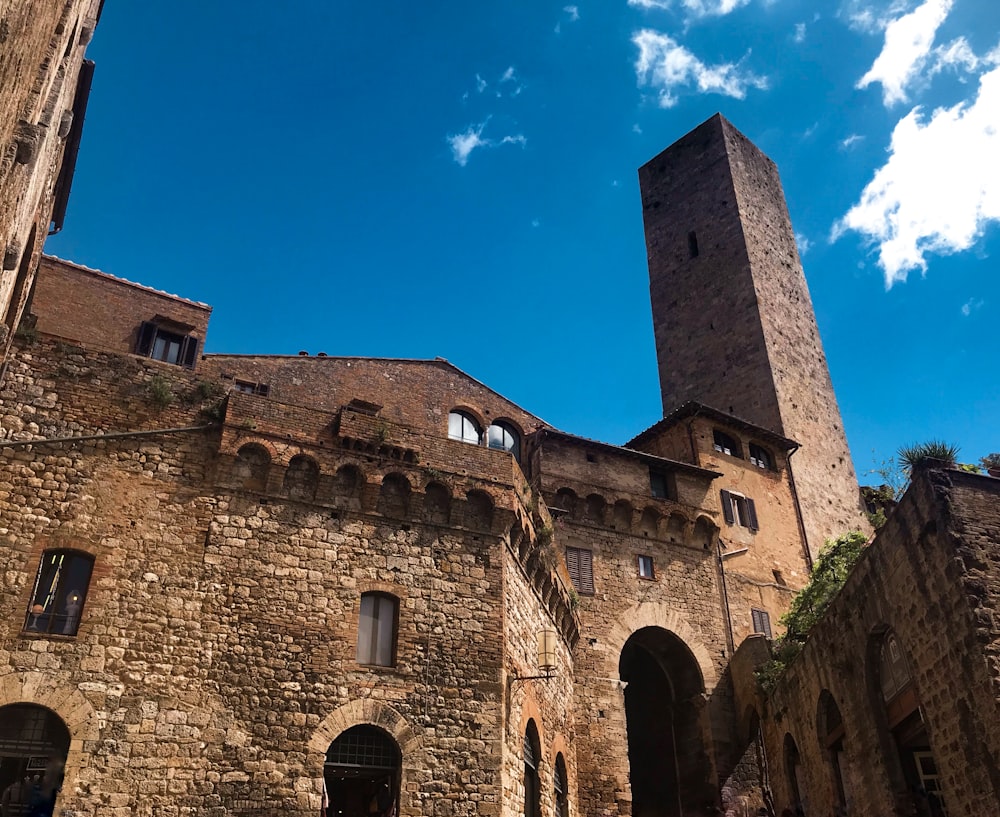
{"x":189,"y":352}
{"x":752,"y":514}
{"x":727,"y":506}
{"x":580,"y":564}
{"x":147,"y":331}
{"x":761,"y":622}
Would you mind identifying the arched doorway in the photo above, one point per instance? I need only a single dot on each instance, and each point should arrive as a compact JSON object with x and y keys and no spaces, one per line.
{"x":362,"y":774}
{"x":901,"y":714}
{"x":34,"y":743}
{"x":830,"y":728}
{"x":669,"y":768}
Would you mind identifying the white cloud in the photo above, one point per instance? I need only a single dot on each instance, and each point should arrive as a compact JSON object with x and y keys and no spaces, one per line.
{"x":803,"y":243}
{"x":851,"y":141}
{"x":650,"y":4}
{"x":462,"y":144}
{"x":958,"y":55}
{"x":636,"y":128}
{"x":908,"y":41}
{"x":508,"y":75}
{"x":480,"y":84}
{"x":666,"y":65}
{"x":535,"y":222}
{"x":573,"y":12}
{"x":800,"y":33}
{"x":940,"y":187}
{"x":971,"y":305}
{"x":862,"y":16}
{"x":696,"y":8}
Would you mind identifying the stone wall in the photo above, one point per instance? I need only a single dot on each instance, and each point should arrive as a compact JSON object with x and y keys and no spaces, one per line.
{"x":932,"y":579}
{"x":41,"y":53}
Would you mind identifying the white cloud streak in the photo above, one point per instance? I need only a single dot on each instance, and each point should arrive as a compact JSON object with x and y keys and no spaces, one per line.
{"x":938,"y":190}
{"x":573,"y":12}
{"x":665,"y":65}
{"x":908,"y":42}
{"x":800,"y":33}
{"x":696,"y":8}
{"x":462,"y":144}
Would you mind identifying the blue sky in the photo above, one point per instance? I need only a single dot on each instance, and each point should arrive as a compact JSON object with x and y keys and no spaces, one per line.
{"x":459,"y":179}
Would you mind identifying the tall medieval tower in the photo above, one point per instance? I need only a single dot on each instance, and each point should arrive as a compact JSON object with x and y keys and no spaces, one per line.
{"x":732,"y":316}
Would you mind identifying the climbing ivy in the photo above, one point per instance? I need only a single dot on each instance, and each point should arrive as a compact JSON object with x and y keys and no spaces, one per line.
{"x":828,"y":575}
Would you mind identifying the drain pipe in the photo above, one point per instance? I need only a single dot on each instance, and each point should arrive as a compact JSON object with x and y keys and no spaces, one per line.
{"x":798,"y":509}
{"x":730,"y":639}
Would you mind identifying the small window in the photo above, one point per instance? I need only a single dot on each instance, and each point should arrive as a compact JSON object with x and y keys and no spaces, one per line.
{"x":463,"y":428}
{"x":739,"y":510}
{"x":693,"y":244}
{"x":60,"y":591}
{"x":532,"y":783}
{"x":761,"y":622}
{"x":760,"y":457}
{"x":726,"y":444}
{"x":246,"y":387}
{"x":159,"y":343}
{"x":377,"y":629}
{"x":561,"y":787}
{"x":502,"y":437}
{"x":662,"y":485}
{"x":646,"y":568}
{"x":580,"y":564}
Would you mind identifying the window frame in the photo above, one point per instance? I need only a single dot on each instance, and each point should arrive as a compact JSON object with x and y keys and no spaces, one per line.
{"x":662,"y":484}
{"x":761,"y":622}
{"x":57,"y":590}
{"x":761,"y":457}
{"x":580,"y":566}
{"x":738,"y":509}
{"x":508,"y":430}
{"x":645,"y":559}
{"x":726,"y":443}
{"x":466,"y":418}
{"x":152,"y":331}
{"x":371,"y":655}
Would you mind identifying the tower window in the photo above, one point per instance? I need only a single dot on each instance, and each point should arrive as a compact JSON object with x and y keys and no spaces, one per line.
{"x":761,"y":622}
{"x":760,"y":457}
{"x":662,"y":485}
{"x":646,"y":568}
{"x":726,"y":444}
{"x":502,"y":437}
{"x":693,"y":244}
{"x":159,"y":343}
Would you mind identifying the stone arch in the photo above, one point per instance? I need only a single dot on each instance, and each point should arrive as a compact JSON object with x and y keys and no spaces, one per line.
{"x":301,"y":478}
{"x":566,"y":499}
{"x":662,"y":615}
{"x":348,"y":483}
{"x":677,"y":525}
{"x":437,"y":503}
{"x":621,"y":516}
{"x":649,"y":522}
{"x":251,"y":467}
{"x":595,"y":509}
{"x":704,"y":533}
{"x":64,"y":700}
{"x":394,"y":497}
{"x":365,"y":712}
{"x":478,"y":510}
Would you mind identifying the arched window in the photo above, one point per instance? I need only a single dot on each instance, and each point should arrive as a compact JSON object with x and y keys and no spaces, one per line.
{"x":301,"y":478}
{"x":60,"y":591}
{"x":761,"y":457}
{"x":463,"y":428}
{"x":502,"y":437}
{"x":725,"y":444}
{"x":561,"y":787}
{"x":251,"y":467}
{"x":362,"y":772}
{"x":377,"y":625}
{"x":532,"y":787}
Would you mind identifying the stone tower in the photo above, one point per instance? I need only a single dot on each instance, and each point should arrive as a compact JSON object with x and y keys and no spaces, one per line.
{"x":732,"y":316}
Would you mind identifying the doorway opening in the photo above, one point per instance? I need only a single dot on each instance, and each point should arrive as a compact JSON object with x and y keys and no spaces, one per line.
{"x":669,"y":768}
{"x":34,"y":743}
{"x":362,"y":774}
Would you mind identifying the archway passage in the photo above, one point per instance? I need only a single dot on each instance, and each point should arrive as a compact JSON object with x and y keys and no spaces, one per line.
{"x":34,"y":743}
{"x":362,"y":774}
{"x":668,"y":766}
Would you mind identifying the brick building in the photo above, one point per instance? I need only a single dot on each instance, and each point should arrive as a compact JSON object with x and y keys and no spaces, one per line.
{"x":46,"y":83}
{"x":262,"y":584}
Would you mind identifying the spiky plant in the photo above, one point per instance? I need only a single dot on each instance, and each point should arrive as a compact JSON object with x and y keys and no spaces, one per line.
{"x":913,"y":456}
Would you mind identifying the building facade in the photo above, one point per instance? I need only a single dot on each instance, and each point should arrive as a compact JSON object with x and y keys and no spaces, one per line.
{"x":265,"y":584}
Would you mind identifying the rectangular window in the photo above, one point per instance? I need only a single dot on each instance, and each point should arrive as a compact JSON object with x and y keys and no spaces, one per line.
{"x":580,"y":564}
{"x":646,"y":567}
{"x":739,"y":510}
{"x":377,"y":629}
{"x":662,"y":485}
{"x":59,"y":593}
{"x":761,"y":622}
{"x":158,"y":343}
{"x":246,"y":387}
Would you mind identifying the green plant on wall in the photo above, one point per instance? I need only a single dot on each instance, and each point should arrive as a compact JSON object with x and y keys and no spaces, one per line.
{"x":159,"y":391}
{"x":834,"y":565}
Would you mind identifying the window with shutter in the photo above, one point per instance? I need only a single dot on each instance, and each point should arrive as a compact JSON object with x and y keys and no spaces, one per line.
{"x":580,"y":564}
{"x":761,"y":621}
{"x":739,"y":510}
{"x":170,"y":347}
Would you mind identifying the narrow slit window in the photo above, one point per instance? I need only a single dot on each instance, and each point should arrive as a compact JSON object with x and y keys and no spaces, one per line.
{"x":693,"y":244}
